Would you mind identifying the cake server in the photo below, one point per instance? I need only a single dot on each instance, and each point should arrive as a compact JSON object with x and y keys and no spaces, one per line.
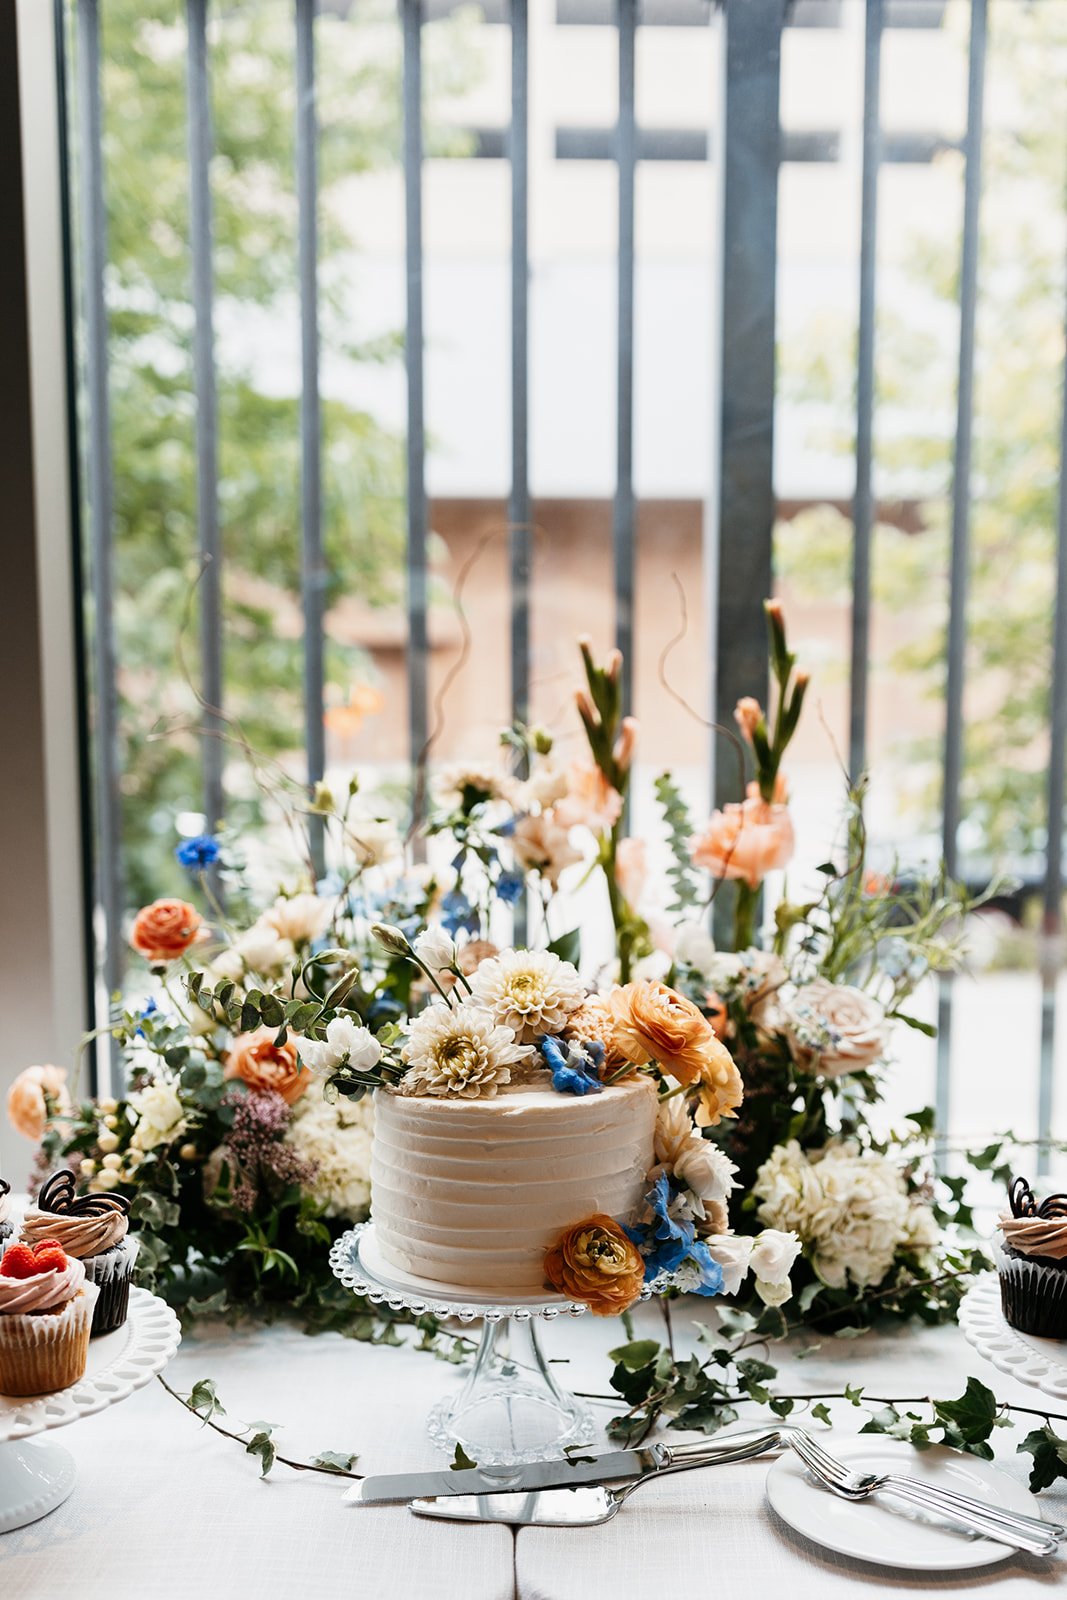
{"x":399,"y":1488}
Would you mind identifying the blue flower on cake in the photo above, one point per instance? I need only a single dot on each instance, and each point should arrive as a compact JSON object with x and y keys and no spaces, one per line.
{"x":574,"y":1065}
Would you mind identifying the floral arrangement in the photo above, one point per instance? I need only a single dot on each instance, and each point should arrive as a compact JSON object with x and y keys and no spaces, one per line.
{"x":768,"y":1056}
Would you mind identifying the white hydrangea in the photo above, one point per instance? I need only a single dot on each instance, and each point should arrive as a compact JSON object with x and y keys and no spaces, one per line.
{"x":337,"y":1140}
{"x":532,"y":992}
{"x":849,"y":1206}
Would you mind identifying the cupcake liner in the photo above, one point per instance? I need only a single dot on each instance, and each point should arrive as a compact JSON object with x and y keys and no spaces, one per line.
{"x":43,"y":1351}
{"x":111,"y":1273}
{"x":1033,"y":1294}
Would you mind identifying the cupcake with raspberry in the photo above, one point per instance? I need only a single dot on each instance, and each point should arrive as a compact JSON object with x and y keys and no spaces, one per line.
{"x":1032,"y":1262}
{"x":46,"y":1312}
{"x":7,"y":1227}
{"x":93,"y":1228}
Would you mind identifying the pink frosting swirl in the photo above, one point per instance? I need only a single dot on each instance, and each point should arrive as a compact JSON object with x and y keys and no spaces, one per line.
{"x":45,"y":1291}
{"x":1036,"y":1236}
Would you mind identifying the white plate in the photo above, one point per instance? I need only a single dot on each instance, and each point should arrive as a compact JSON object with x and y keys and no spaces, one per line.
{"x":890,"y":1532}
{"x":1040,"y":1362}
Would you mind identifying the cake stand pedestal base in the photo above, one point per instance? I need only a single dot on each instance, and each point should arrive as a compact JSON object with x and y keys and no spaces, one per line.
{"x":34,"y":1479}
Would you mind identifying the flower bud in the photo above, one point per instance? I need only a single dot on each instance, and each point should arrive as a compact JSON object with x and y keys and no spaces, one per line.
{"x":625,"y":744}
{"x":87,"y":1168}
{"x":323,"y":803}
{"x":106,"y":1180}
{"x":392,"y":939}
{"x":112,"y":1163}
{"x":187,"y":1152}
{"x":108,"y":1141}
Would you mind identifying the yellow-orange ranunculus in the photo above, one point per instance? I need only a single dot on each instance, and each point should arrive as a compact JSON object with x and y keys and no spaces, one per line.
{"x":28,"y":1097}
{"x":653,"y":1022}
{"x":746,"y":841}
{"x":164,"y":930}
{"x":594,"y":1263}
{"x":262,"y":1064}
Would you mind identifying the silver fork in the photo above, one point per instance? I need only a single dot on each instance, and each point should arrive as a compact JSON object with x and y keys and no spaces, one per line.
{"x":977,"y":1516}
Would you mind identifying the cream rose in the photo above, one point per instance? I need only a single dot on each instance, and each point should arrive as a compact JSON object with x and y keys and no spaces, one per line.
{"x":833,"y":1028}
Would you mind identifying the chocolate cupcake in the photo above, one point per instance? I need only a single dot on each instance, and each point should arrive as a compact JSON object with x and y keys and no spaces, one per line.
{"x":1032,"y":1262}
{"x":92,"y":1228}
{"x":7,"y":1227}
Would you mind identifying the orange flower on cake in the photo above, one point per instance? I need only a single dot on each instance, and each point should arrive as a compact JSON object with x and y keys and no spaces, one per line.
{"x":748,"y":840}
{"x":34,"y":1094}
{"x":594,"y":1263}
{"x":656,"y":1023}
{"x":164,"y":930}
{"x":262,"y":1064}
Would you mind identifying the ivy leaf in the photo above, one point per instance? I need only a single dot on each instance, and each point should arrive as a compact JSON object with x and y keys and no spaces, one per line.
{"x":461,"y":1461}
{"x":973,"y":1416}
{"x":262,"y":1445}
{"x":821,"y":1412}
{"x":334,"y":1461}
{"x":781,"y":1407}
{"x":204,"y":1400}
{"x":640,"y":1353}
{"x":1050,"y":1457}
{"x":854,"y":1394}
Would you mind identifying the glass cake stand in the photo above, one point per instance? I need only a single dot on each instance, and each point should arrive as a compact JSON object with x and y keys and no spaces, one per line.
{"x":510,"y":1410}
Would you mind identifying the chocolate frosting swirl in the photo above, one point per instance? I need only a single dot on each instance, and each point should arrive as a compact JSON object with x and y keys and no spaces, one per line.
{"x":85,"y":1225}
{"x":44,"y":1291}
{"x":1035,"y":1229}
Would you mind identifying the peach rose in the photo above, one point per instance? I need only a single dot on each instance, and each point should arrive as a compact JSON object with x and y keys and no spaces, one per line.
{"x":653,"y":1022}
{"x":631,"y":868}
{"x":745,"y":841}
{"x":590,"y":801}
{"x":28,"y":1097}
{"x":595,"y":1263}
{"x":259,"y":1062}
{"x":164,"y":930}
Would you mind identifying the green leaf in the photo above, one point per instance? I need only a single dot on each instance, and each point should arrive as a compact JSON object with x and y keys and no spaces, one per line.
{"x":854,"y":1394}
{"x":568,"y":946}
{"x":249,"y":1017}
{"x":204,"y":1400}
{"x":262,"y":1445}
{"x":973,"y":1415}
{"x":781,"y":1407}
{"x":334,"y":1461}
{"x":1049,"y":1457}
{"x":821,"y":1412}
{"x":928,"y":1028}
{"x":302,"y":1014}
{"x":641,"y":1353}
{"x":461,"y":1461}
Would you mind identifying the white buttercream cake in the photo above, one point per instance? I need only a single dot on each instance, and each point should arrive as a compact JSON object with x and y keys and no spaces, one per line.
{"x":472,"y":1192}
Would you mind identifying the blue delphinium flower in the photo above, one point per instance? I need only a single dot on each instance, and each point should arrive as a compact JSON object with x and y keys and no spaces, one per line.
{"x":148,"y":1010}
{"x":698,"y":1273}
{"x":670,"y":1246}
{"x":457,"y":912}
{"x":573,"y":1066}
{"x":509,"y":886}
{"x":198,"y":853}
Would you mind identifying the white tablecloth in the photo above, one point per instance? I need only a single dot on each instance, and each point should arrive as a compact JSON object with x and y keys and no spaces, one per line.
{"x":165,"y":1510}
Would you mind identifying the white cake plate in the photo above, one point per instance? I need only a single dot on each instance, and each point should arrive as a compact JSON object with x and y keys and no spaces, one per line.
{"x":1041,"y":1363}
{"x":511,"y":1409}
{"x":35,"y":1478}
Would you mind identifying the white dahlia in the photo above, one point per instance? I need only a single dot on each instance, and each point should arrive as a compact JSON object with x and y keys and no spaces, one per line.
{"x":459,"y":1050}
{"x":532,"y":992}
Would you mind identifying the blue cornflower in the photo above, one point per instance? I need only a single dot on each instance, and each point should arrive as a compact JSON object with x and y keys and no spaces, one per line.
{"x":147,"y":1011}
{"x":509,"y":886}
{"x":198,"y":853}
{"x":573,"y":1067}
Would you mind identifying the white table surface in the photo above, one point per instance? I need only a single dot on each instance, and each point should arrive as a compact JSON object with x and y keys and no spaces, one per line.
{"x":164,"y":1509}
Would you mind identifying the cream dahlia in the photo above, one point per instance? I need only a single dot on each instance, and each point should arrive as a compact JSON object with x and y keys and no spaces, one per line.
{"x":532,"y":992}
{"x":459,"y":1050}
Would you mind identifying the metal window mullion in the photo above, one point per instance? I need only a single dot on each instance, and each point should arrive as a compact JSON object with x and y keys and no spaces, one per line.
{"x":417,"y":599}
{"x":519,"y":499}
{"x":623,"y":511}
{"x":1052,"y":918}
{"x":109,"y":875}
{"x":961,"y":521}
{"x":207,"y":511}
{"x":863,"y":500}
{"x":313,"y":565}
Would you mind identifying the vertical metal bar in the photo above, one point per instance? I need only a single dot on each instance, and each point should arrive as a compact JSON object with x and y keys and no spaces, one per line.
{"x":109,"y":883}
{"x":313,"y":565}
{"x":1052,"y":920}
{"x":961,"y":522}
{"x":207,"y":509}
{"x":863,"y":502}
{"x":519,"y":499}
{"x":751,"y":151}
{"x":418,"y":640}
{"x":623,"y":514}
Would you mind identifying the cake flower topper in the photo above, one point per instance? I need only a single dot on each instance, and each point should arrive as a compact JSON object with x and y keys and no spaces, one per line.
{"x":59,"y":1195}
{"x":1023,"y":1204}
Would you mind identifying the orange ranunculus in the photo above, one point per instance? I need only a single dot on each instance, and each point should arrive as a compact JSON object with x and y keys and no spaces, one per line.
{"x":653,"y":1022}
{"x":717,"y":1014}
{"x":164,"y":930}
{"x":259,"y":1062}
{"x":28,"y":1097}
{"x":595,"y":1263}
{"x":747,"y":840}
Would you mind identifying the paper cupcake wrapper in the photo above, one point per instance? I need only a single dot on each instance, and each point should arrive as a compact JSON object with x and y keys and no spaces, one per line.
{"x":111,"y":1273}
{"x":1033,"y":1295}
{"x":44,"y":1351}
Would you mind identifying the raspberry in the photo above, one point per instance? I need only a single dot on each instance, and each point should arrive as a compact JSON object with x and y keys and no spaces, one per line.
{"x":19,"y":1262}
{"x":50,"y":1257}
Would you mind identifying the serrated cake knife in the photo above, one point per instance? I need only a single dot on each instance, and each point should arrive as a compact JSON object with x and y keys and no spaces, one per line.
{"x":616,"y":1466}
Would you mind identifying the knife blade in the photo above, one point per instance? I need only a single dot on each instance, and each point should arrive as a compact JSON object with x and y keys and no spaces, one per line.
{"x":616,"y":1465}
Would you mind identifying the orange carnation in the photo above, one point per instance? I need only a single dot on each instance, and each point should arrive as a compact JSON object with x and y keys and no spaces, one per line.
{"x":29,"y":1097}
{"x":164,"y":930}
{"x":746,"y":841}
{"x":595,"y":1263}
{"x":262,"y":1064}
{"x":653,"y":1022}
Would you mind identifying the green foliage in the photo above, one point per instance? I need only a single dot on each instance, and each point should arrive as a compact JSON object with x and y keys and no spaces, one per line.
{"x":461,"y":1461}
{"x":1049,"y":1454}
{"x":679,"y":833}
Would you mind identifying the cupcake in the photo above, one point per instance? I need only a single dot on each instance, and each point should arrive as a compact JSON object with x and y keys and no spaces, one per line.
{"x":7,"y":1227}
{"x":46,"y":1312}
{"x":92,"y":1228}
{"x":1032,"y":1262}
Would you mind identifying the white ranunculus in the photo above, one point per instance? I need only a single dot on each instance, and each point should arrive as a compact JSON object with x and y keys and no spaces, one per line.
{"x":346,"y":1040}
{"x":707,"y":1171}
{"x":301,"y":918}
{"x":674,"y":1129}
{"x":732,"y":1252}
{"x":436,"y":949}
{"x":160,"y":1115}
{"x":372,"y":840}
{"x":773,"y":1254}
